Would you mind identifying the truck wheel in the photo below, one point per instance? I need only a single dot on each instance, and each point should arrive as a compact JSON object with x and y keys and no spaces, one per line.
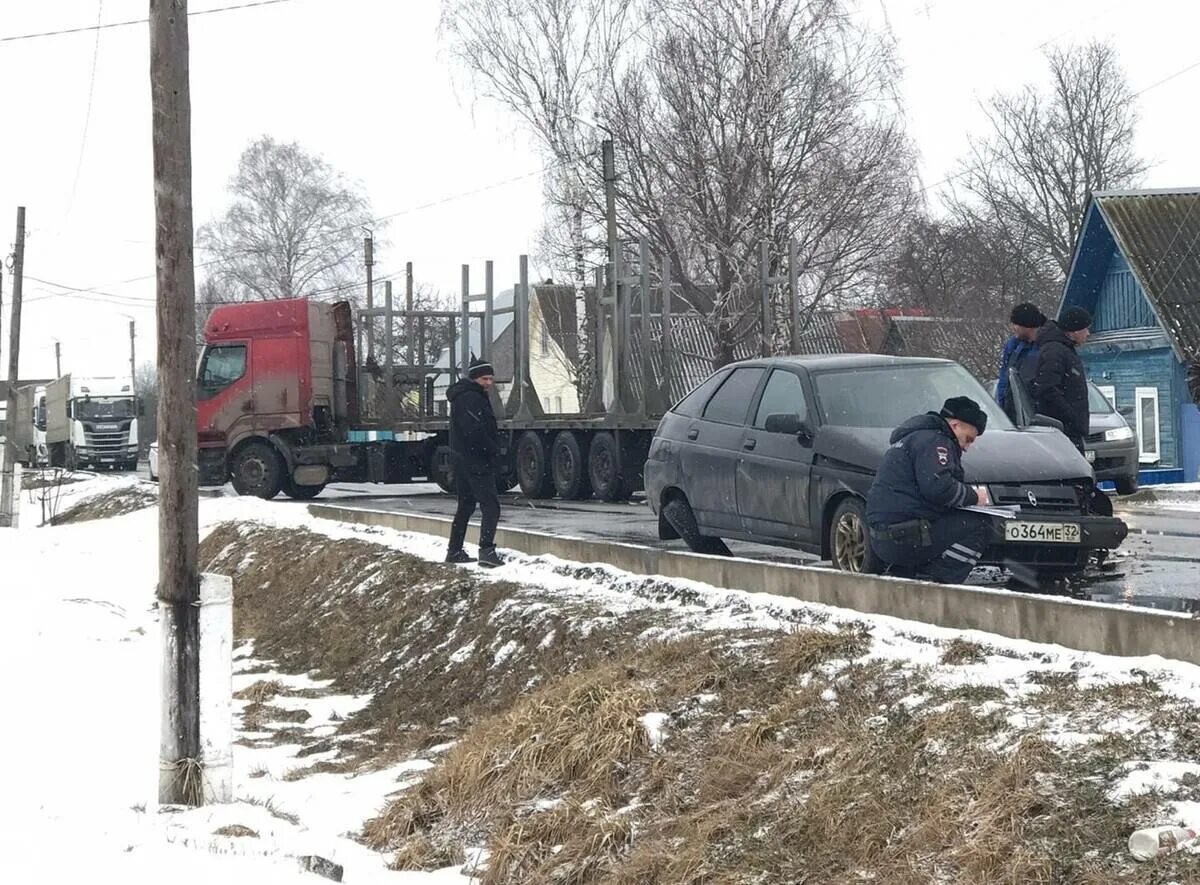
{"x":678,"y":513}
{"x":849,"y":547}
{"x":1126,"y":485}
{"x":442,"y":470}
{"x":606,"y":470}
{"x":257,"y":470}
{"x":301,"y":493}
{"x":533,"y":471}
{"x":569,"y":467}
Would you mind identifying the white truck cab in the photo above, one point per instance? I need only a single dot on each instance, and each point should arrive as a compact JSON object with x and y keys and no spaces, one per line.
{"x":92,"y":422}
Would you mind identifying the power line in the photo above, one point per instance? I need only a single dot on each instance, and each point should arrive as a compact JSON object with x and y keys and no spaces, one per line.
{"x":87,"y":116}
{"x":138,"y":21}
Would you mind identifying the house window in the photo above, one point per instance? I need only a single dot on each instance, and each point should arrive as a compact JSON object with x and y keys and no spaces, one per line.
{"x":1110,"y":393}
{"x":1146,"y":412}
{"x":545,"y":404}
{"x":544,"y":339}
{"x":558,"y":404}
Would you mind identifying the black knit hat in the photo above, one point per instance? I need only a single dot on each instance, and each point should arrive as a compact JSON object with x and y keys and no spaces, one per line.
{"x":1074,"y":319}
{"x":965,"y":409}
{"x":1027,"y":316}
{"x":479,"y":368}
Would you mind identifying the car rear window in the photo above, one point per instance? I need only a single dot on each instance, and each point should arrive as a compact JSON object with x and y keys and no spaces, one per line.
{"x":889,"y":395}
{"x":731,"y":403}
{"x":692,"y":404}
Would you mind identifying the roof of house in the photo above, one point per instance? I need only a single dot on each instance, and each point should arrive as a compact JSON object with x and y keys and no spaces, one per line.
{"x":973,"y":342}
{"x":1158,"y":232}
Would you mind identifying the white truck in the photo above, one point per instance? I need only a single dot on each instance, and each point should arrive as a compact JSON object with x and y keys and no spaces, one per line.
{"x":29,"y":426}
{"x":92,"y":422}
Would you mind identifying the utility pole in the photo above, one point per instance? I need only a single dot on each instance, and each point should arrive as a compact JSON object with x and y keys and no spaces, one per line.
{"x":57,"y":359}
{"x":181,"y":776}
{"x":369,"y":261}
{"x":7,"y":496}
{"x":132,"y":360}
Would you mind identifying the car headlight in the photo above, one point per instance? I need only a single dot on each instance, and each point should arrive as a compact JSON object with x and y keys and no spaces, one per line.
{"x":1117,"y":434}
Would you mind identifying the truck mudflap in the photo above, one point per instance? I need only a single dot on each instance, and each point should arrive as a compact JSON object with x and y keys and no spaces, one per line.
{"x":213,"y":467}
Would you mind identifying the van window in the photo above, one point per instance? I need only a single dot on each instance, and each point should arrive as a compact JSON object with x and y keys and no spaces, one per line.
{"x":221,"y":365}
{"x":730,"y":404}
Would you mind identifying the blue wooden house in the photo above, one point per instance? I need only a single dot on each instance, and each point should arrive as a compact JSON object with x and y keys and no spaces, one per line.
{"x":1137,"y":269}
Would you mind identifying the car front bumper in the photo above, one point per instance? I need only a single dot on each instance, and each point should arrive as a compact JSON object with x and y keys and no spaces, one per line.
{"x":1095,"y":533}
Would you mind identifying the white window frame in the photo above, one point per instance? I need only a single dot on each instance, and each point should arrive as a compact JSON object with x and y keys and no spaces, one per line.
{"x":1110,"y":394}
{"x":1140,"y":394}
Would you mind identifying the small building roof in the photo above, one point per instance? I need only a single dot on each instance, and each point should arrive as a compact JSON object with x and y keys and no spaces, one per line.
{"x":1158,"y":232}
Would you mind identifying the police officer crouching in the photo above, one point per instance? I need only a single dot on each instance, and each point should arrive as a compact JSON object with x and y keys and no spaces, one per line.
{"x":915,"y":525}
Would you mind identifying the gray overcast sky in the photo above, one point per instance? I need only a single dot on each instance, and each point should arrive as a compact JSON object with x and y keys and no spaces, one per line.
{"x":365,"y":84}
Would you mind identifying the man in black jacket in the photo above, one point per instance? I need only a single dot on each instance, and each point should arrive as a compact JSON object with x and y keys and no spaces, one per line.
{"x":1059,"y":384}
{"x":913,"y":515}
{"x":475,"y":454}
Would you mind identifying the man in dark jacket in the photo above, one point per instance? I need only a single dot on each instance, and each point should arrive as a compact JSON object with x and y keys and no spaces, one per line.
{"x":913,"y":515}
{"x":475,"y":454}
{"x":1059,"y":384}
{"x":1019,"y":350}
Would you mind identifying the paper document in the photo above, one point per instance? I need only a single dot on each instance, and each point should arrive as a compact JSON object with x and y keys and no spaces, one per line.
{"x":1006,"y":511}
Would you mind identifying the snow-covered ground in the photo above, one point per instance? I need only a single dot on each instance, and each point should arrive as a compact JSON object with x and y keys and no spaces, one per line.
{"x":79,"y":647}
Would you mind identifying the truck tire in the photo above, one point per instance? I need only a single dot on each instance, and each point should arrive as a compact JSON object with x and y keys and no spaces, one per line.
{"x":257,"y":470}
{"x":678,"y":513}
{"x":533,"y":467}
{"x":569,"y":467}
{"x":441,"y":470}
{"x":606,"y":469}
{"x":849,"y":546}
{"x":301,"y":493}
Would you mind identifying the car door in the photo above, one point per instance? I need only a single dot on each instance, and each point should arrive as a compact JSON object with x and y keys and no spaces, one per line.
{"x":712,"y":447}
{"x":774,"y":471}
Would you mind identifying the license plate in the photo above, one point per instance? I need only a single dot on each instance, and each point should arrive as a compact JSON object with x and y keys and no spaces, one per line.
{"x":1090,"y":455}
{"x":1041,"y":532}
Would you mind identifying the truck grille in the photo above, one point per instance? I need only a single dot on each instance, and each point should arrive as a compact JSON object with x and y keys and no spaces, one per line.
{"x":1050,"y":498}
{"x":106,"y":441}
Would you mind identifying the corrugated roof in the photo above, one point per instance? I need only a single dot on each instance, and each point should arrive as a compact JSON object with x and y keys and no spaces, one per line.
{"x":693,"y":344}
{"x":974,"y":343}
{"x":1159,"y":234}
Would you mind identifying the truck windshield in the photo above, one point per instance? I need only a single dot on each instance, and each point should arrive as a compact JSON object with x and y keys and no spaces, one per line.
{"x":890,"y":395}
{"x":99,"y":408}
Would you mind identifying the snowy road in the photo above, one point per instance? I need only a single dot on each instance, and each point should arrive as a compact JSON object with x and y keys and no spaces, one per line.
{"x":1157,"y":566}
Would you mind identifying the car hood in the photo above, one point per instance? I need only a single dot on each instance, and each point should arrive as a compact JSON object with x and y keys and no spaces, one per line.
{"x":1107,"y":421}
{"x":1035,"y":454}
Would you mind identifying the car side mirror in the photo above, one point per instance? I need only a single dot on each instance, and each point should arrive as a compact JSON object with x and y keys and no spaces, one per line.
{"x":1046,"y":421}
{"x":805,"y":435}
{"x":789,"y":423}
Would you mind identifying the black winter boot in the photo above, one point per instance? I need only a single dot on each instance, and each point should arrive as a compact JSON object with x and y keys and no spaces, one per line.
{"x":458,"y":557}
{"x":489,"y":558}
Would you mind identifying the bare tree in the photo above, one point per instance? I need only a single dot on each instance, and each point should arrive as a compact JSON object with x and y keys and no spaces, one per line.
{"x":1048,"y":150}
{"x":769,"y":119}
{"x":962,"y":266}
{"x":547,"y":61}
{"x":294,"y":226}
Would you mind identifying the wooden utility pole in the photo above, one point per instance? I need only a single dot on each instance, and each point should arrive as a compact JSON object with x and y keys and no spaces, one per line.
{"x":132,"y":359}
{"x":7,"y":496}
{"x":180,"y":774}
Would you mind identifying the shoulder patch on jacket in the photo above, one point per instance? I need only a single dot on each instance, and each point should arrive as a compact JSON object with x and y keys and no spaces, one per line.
{"x":943,"y":455}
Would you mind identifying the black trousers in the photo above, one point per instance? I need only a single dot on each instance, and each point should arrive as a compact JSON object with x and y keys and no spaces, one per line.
{"x":475,"y":487}
{"x":954,"y":544}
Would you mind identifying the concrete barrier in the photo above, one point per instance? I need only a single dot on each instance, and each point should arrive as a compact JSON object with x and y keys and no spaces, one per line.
{"x":1088,"y":626}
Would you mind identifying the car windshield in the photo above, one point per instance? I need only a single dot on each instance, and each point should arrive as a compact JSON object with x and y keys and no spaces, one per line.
{"x":889,"y":395}
{"x":1098,"y":403}
{"x":101,"y":408}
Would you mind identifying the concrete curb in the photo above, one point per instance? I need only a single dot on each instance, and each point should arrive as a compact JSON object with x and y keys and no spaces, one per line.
{"x":1087,"y":626}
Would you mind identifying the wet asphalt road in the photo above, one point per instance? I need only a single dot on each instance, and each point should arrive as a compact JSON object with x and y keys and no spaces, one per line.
{"x":1157,"y":566}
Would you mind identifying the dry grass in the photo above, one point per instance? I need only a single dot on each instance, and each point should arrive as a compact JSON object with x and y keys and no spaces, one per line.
{"x":271,"y":808}
{"x":788,"y":758}
{"x":236,"y":831}
{"x":261,"y":691}
{"x":115,"y":503}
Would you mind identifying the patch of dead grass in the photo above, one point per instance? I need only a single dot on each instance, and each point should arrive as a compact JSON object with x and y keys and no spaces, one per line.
{"x":105,"y":506}
{"x":236,"y":831}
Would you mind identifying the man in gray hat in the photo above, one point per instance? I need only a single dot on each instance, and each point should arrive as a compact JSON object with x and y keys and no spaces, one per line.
{"x":1060,"y":388}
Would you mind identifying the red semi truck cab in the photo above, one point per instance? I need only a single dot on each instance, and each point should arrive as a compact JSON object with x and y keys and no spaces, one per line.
{"x":276,"y":396}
